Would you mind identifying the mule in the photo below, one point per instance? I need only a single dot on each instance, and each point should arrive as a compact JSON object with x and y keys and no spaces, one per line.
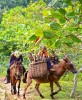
{"x":59,"y":70}
{"x":16,"y":72}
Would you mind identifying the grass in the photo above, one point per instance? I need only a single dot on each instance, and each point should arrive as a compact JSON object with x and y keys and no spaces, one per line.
{"x":64,"y":94}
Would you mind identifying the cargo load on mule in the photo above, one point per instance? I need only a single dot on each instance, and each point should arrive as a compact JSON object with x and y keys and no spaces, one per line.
{"x":37,"y":68}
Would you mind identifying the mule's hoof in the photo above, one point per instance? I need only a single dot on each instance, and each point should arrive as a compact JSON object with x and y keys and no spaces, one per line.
{"x":24,"y":97}
{"x":51,"y":95}
{"x":54,"y":93}
{"x":18,"y":95}
{"x":52,"y":98}
{"x":12,"y":93}
{"x":41,"y":96}
{"x":15,"y":92}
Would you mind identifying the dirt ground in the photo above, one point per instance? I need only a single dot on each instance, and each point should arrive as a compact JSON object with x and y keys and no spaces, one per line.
{"x":5,"y":92}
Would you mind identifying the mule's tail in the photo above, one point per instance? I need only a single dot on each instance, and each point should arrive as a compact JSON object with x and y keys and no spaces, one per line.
{"x":25,"y":77}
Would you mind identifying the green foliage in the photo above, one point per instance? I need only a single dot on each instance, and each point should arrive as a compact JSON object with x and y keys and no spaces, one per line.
{"x":62,"y":11}
{"x":32,"y":38}
{"x":48,"y":34}
{"x":58,"y":43}
{"x":55,"y":26}
{"x":74,"y":38}
{"x":58,"y":28}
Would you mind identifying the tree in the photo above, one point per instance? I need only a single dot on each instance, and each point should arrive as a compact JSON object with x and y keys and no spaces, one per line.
{"x":58,"y":28}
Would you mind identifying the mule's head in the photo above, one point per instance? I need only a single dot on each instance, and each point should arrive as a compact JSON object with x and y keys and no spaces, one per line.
{"x":69,"y":65}
{"x":18,"y":69}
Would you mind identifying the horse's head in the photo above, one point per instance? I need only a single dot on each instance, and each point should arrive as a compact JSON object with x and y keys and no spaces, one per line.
{"x":69,"y":65}
{"x":18,"y":69}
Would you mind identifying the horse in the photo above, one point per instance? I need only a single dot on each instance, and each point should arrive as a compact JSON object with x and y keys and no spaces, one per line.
{"x":59,"y":70}
{"x":15,"y":76}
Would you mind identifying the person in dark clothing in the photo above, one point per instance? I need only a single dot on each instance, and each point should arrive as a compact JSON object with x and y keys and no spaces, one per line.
{"x":15,"y":56}
{"x":55,"y":58}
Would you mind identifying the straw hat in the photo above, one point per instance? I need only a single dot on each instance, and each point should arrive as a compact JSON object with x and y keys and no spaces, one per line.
{"x":16,"y":53}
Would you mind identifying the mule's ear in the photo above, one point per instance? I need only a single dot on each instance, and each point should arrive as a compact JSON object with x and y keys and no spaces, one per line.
{"x":19,"y":61}
{"x":15,"y":62}
{"x":65,"y":58}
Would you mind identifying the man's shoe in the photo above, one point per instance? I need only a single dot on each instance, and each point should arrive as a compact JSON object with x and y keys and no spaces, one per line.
{"x":51,"y":69}
{"x":7,"y":82}
{"x":8,"y":79}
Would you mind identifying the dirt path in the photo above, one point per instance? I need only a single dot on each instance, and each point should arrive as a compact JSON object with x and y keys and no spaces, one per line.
{"x":5,"y":92}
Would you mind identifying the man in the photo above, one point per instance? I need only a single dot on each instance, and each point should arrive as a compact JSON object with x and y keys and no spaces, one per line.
{"x":15,"y":56}
{"x":43,"y":54}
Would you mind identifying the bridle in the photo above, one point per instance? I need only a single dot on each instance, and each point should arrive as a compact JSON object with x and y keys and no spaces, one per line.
{"x":18,"y":74}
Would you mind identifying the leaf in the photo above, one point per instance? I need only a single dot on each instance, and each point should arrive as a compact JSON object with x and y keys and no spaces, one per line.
{"x":77,"y":20}
{"x":71,"y":14}
{"x":39,"y":32}
{"x":46,"y":13}
{"x":80,"y":1}
{"x":62,"y":20}
{"x":68,"y":2}
{"x":74,"y":38}
{"x":33,"y":37}
{"x":55,"y":14}
{"x":59,"y":34}
{"x":68,"y":41}
{"x":48,"y":34}
{"x":62,"y":11}
{"x":58,"y":43}
{"x":55,"y":26}
{"x":69,"y":44}
{"x":52,"y":3}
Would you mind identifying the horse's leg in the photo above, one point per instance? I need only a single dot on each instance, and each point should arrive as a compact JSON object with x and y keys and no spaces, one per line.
{"x":37,"y":88}
{"x":51,"y":87}
{"x":19,"y":88}
{"x":58,"y":85}
{"x":29,"y":81}
{"x":12,"y":91}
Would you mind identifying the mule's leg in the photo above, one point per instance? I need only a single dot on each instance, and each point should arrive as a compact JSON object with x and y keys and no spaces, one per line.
{"x":29,"y":81}
{"x":37,"y":88}
{"x":58,"y":85}
{"x":19,"y":88}
{"x":14,"y":88}
{"x":51,"y":87}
